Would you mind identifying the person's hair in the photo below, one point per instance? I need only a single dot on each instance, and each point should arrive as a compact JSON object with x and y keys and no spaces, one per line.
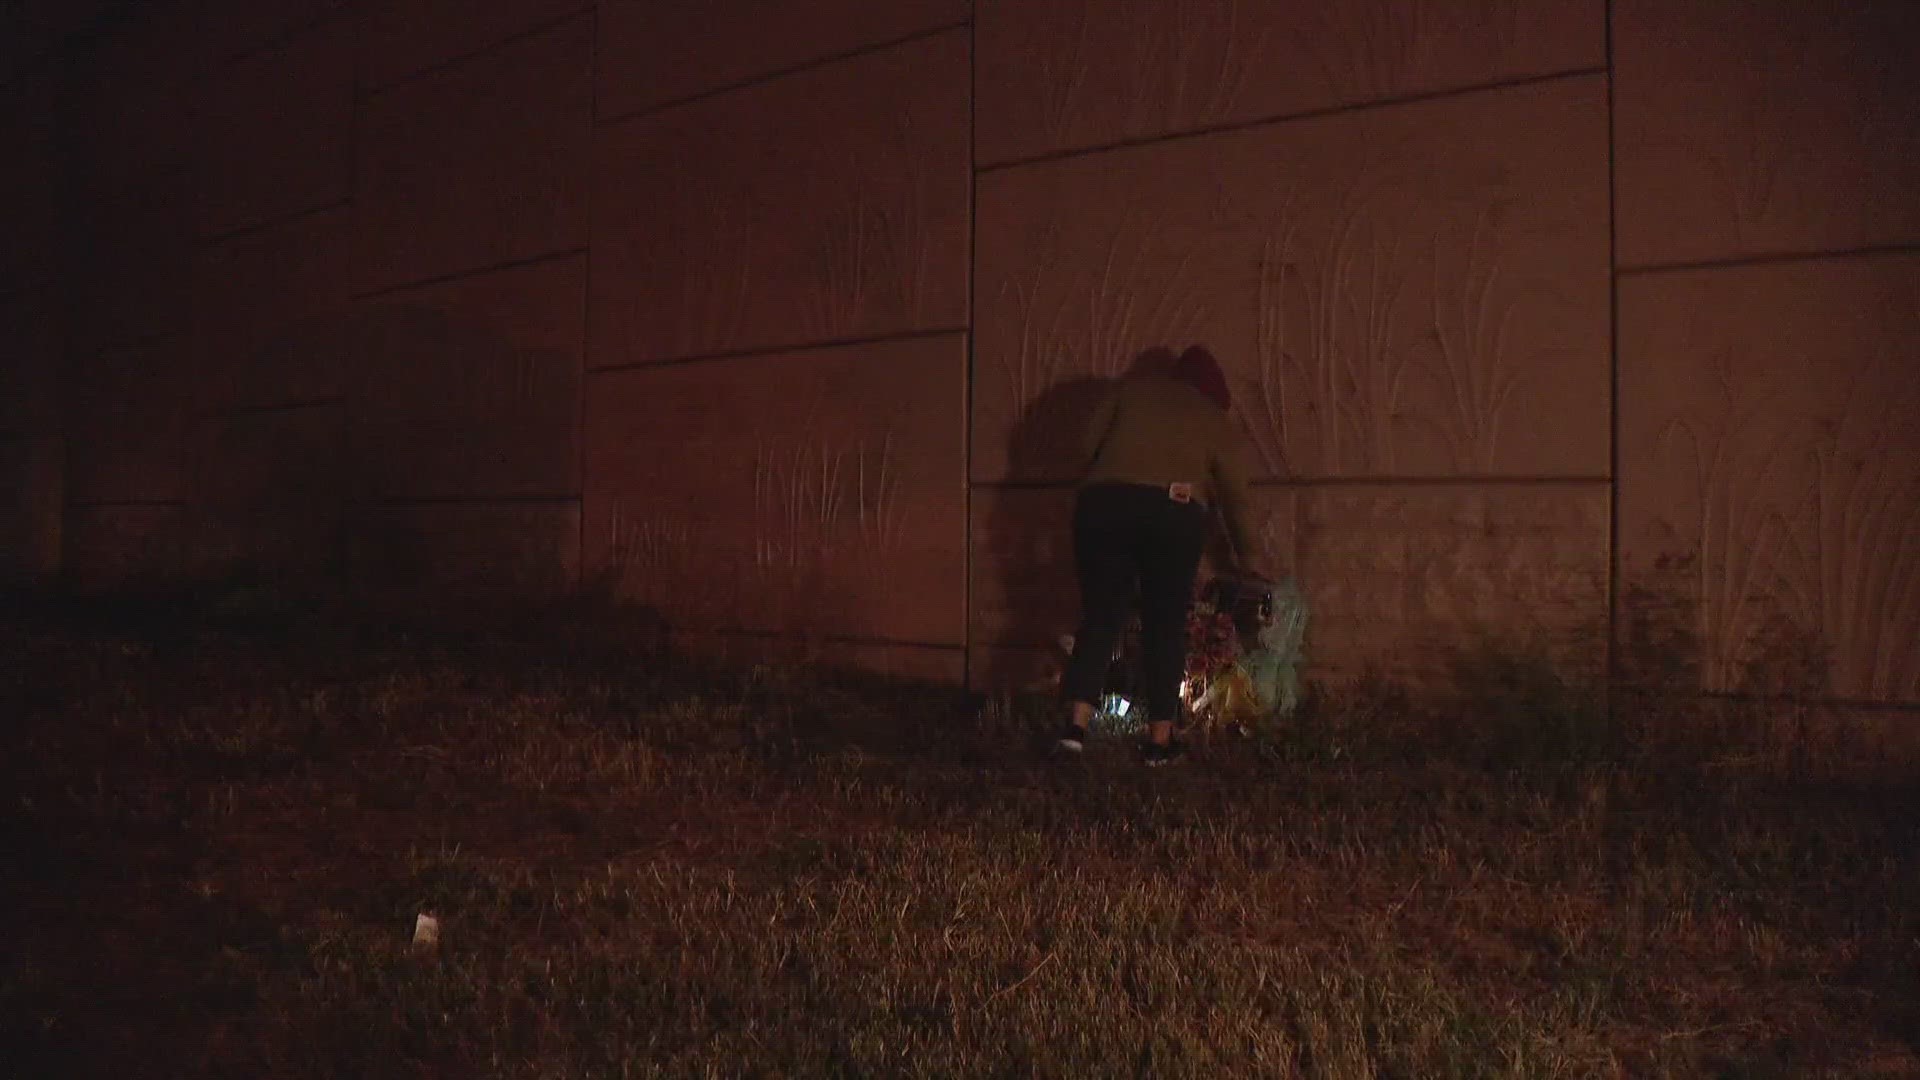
{"x":1198,"y":369}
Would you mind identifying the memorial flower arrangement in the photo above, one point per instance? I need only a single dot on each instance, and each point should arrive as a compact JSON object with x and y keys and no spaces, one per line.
{"x":1244,"y":638}
{"x":1213,"y":641}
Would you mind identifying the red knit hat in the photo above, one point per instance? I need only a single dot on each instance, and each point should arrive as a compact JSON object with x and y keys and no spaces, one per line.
{"x":1198,"y":369}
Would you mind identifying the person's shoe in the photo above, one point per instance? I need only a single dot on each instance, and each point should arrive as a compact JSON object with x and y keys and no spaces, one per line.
{"x":1157,"y":755}
{"x":1073,"y":738}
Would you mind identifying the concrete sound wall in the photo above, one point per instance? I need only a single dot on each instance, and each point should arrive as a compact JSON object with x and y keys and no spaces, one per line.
{"x":1575,"y":322}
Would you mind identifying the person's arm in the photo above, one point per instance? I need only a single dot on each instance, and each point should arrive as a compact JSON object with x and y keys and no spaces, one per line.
{"x":1094,"y":435}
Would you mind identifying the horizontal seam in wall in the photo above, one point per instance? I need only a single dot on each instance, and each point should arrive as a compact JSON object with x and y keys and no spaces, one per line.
{"x":869,"y":642}
{"x":406,"y":502}
{"x":1771,"y":258}
{"x":645,"y":111}
{"x":491,"y":47}
{"x":129,"y":504}
{"x":1344,"y":481}
{"x":776,"y":350}
{"x":292,"y":217}
{"x":291,"y":35}
{"x":273,"y":407}
{"x":90,"y":355}
{"x":79,"y":40}
{"x":478,"y":271}
{"x":1859,"y":704}
{"x":1285,"y":118}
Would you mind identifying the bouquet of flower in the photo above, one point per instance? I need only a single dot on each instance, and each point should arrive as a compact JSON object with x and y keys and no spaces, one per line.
{"x":1213,"y":641}
{"x":1243,"y":641}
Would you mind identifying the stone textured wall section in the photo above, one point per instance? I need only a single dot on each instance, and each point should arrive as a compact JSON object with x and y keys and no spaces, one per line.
{"x":828,"y":206}
{"x":818,"y":493}
{"x":655,"y":53}
{"x":1770,"y":472}
{"x":1416,"y":290}
{"x":480,"y":163}
{"x":471,"y":389}
{"x":1060,"y":75}
{"x":276,"y":130}
{"x":1758,"y":129}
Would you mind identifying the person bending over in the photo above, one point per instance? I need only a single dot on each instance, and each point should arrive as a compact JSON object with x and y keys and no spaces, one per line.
{"x":1161,"y":459}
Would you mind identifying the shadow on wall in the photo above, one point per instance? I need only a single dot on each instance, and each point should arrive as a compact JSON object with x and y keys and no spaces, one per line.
{"x":1031,"y":540}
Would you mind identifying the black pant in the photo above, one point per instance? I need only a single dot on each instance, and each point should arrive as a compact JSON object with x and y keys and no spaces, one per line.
{"x":1123,"y":534}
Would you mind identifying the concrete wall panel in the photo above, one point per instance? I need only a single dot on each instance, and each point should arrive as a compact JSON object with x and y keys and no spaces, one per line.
{"x":231,"y":28}
{"x":1066,"y":74}
{"x":1744,"y":129}
{"x":135,"y":278}
{"x":30,"y":510}
{"x":128,"y":424}
{"x":827,"y":206}
{"x":402,"y":37}
{"x":472,"y":388}
{"x":32,"y":449}
{"x":271,"y":312}
{"x":820,"y":492}
{"x":108,"y":547}
{"x":1399,"y":577}
{"x":131,"y":249}
{"x":30,"y":363}
{"x":29,"y":29}
{"x":1418,"y":290}
{"x":1406,"y":579}
{"x":480,"y":163}
{"x":653,"y":53}
{"x":275,"y":132}
{"x":272,"y":458}
{"x":1005,"y":667}
{"x":31,"y":179}
{"x":300,"y":548}
{"x":1770,"y":472}
{"x":1023,"y":588}
{"x":448,"y":557}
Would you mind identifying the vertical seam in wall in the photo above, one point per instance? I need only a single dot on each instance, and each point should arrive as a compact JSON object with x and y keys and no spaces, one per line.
{"x":1613,"y":368}
{"x":966,"y":409}
{"x":586,"y":301}
{"x":349,"y":500}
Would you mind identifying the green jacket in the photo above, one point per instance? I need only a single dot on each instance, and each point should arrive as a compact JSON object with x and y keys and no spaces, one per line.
{"x":1157,"y":430}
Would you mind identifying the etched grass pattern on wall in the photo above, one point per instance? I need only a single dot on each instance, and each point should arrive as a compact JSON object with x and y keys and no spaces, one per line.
{"x":1330,"y":376}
